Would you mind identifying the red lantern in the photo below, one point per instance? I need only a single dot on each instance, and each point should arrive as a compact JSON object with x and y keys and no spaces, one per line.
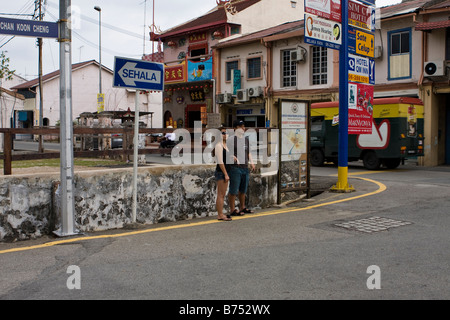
{"x":218,"y":34}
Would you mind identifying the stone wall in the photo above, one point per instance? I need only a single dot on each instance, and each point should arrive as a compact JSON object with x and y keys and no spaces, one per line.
{"x":103,"y":199}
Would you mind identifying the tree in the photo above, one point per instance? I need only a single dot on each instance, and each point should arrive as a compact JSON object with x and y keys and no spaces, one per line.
{"x":5,"y":72}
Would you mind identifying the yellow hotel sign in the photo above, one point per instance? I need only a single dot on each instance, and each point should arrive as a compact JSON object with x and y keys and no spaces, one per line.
{"x":360,"y":42}
{"x":365,"y":43}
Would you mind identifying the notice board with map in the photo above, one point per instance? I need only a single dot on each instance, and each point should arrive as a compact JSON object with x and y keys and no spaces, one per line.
{"x":294,"y":146}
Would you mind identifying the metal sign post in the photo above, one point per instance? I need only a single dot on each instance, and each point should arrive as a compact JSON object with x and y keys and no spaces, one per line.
{"x":342,"y":184}
{"x":60,"y":30}
{"x":66,"y":127}
{"x":135,"y":156}
{"x":138,"y":75}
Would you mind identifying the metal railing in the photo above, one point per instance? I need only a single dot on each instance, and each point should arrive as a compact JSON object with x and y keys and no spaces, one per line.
{"x":127,"y":135}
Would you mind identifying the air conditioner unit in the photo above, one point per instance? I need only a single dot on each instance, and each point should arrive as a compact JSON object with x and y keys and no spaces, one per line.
{"x":434,"y":69}
{"x":242,"y":95}
{"x":255,"y":92}
{"x":224,"y":98}
{"x":298,"y":54}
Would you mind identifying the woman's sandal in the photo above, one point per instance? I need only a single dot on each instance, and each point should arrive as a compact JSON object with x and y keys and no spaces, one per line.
{"x":245,"y":210}
{"x":227,"y":218}
{"x":236,"y":212}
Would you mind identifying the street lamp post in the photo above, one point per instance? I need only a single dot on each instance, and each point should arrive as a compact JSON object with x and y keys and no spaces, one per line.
{"x":97,"y":8}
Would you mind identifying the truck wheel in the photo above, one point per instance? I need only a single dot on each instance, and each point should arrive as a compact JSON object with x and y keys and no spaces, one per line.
{"x":371,"y":161}
{"x":317,"y":158}
{"x":392,"y":163}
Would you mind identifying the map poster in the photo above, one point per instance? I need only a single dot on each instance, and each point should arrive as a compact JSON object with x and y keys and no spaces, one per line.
{"x":294,"y":146}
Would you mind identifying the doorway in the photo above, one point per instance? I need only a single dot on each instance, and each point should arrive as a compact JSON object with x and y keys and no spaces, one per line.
{"x":195,"y":113}
{"x":167,"y":119}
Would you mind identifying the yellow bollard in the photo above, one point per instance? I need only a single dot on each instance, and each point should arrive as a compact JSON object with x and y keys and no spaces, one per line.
{"x":342,"y":184}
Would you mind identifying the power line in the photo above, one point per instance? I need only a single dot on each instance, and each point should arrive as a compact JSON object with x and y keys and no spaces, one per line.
{"x":106,"y":25}
{"x":25,"y":8}
{"x":16,"y":14}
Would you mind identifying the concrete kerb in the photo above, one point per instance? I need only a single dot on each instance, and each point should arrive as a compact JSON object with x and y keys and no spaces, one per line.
{"x":364,"y":187}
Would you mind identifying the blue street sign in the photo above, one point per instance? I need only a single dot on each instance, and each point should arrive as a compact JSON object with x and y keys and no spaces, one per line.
{"x":138,"y":74}
{"x":29,"y":28}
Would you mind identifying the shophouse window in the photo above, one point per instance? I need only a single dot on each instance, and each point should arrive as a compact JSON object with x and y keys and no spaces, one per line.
{"x":289,"y":72}
{"x":399,"y":54}
{"x":197,"y":50}
{"x":319,"y":65}
{"x":231,"y":65}
{"x":254,"y":68}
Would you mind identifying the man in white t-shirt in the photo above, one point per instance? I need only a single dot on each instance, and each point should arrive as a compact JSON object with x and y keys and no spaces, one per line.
{"x":169,"y":139}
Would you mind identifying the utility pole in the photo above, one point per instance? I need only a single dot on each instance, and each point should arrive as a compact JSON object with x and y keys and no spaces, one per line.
{"x":66,"y":126}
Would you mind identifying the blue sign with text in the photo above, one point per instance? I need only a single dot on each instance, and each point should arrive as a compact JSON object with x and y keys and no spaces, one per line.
{"x":29,"y":28}
{"x":138,"y":74}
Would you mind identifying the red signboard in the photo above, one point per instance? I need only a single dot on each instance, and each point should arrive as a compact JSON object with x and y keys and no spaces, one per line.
{"x":360,"y":108}
{"x":197,"y":37}
{"x":175,"y":74}
{"x":328,"y":9}
{"x":361,"y":16}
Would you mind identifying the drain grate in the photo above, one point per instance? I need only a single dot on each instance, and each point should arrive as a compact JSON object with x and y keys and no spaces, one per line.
{"x":373,"y":224}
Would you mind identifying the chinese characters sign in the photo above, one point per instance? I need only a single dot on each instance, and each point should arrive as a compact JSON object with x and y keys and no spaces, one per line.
{"x":197,"y":95}
{"x":175,"y":74}
{"x":197,"y":37}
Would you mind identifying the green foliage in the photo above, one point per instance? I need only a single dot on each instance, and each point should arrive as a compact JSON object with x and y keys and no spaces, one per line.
{"x":5,"y":72}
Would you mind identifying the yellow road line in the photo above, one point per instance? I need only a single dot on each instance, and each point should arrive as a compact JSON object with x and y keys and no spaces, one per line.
{"x":381,"y":188}
{"x":360,"y":173}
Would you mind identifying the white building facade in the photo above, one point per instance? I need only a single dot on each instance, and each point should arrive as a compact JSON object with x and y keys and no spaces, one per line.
{"x":85,"y":87}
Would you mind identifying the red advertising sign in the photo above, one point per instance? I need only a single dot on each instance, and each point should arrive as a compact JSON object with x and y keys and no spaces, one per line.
{"x":175,"y":74}
{"x":360,"y":108}
{"x":361,"y":16}
{"x":328,"y":9}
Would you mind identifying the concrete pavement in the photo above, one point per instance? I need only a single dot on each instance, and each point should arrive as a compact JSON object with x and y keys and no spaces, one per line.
{"x":295,"y":252}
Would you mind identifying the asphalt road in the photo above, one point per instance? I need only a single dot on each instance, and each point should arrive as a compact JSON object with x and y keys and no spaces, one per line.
{"x":298,"y":252}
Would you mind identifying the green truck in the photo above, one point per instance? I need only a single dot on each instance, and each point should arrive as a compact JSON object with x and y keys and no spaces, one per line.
{"x":397,"y":133}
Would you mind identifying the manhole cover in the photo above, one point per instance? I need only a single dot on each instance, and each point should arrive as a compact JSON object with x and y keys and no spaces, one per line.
{"x":372,"y":224}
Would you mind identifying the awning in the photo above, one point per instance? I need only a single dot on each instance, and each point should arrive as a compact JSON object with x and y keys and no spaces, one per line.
{"x":425,"y":26}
